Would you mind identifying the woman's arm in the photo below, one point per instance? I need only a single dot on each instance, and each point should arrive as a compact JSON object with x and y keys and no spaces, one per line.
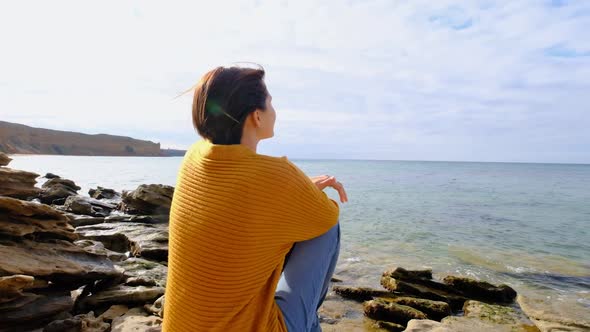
{"x":310,"y":211}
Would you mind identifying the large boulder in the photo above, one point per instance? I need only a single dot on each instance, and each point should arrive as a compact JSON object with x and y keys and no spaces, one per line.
{"x":88,"y":206}
{"x":56,"y":190}
{"x":4,"y":159}
{"x":18,"y":184}
{"x":32,"y":220}
{"x":148,"y":199}
{"x":145,"y":240}
{"x":481,"y":290}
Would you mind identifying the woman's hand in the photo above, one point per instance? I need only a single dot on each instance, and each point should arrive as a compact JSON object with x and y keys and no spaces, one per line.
{"x":323,"y":181}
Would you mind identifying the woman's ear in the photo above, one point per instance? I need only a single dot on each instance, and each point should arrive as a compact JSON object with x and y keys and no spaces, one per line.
{"x":256,"y":118}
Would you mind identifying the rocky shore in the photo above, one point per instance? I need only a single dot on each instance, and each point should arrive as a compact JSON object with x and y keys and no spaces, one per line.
{"x":98,"y":262}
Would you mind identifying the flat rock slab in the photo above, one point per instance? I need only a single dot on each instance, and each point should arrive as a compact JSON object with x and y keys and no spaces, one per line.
{"x":360,"y":294}
{"x":548,"y":319}
{"x":503,"y":316}
{"x":122,"y":294}
{"x":391,"y":312}
{"x":145,"y":240}
{"x":18,"y":184}
{"x":481,"y":290}
{"x":21,"y":218}
{"x":77,"y":220}
{"x":97,"y":247}
{"x":59,"y":261}
{"x":33,"y":308}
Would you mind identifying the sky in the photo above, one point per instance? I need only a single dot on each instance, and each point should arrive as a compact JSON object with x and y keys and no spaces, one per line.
{"x":505,"y":81}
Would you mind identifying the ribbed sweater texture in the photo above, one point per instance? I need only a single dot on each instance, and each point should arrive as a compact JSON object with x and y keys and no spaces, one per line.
{"x":235,"y":215}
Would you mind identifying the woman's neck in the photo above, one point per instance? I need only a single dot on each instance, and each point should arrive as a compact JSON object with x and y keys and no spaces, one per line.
{"x":250,"y":142}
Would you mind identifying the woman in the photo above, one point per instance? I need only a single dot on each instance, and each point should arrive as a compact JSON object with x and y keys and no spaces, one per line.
{"x":253,"y":240}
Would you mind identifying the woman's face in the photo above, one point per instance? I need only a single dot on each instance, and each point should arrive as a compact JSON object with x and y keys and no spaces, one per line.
{"x":267,"y":120}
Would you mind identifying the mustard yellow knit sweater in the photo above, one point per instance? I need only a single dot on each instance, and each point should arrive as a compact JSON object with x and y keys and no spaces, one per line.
{"x":234,"y":216}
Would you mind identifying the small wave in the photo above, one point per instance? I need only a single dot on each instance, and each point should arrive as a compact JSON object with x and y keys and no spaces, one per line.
{"x":353,"y":259}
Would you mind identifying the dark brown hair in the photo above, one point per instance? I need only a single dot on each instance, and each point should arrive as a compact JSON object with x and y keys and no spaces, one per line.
{"x":224,"y":98}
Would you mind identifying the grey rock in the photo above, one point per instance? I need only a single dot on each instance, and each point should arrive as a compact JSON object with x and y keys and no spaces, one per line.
{"x":145,"y":240}
{"x":104,"y":193}
{"x":148,"y":199}
{"x":88,"y":206}
{"x":56,"y":189}
{"x":61,"y":262}
{"x":139,"y":271}
{"x":97,"y":248}
{"x":32,"y":309}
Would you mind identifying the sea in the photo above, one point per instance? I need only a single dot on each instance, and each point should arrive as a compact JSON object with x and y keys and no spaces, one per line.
{"x":523,"y":224}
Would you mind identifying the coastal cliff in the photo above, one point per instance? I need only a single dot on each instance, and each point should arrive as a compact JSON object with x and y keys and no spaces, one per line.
{"x":21,"y":139}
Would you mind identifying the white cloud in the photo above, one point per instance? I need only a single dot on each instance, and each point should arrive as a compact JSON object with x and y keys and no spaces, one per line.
{"x":395,"y":80}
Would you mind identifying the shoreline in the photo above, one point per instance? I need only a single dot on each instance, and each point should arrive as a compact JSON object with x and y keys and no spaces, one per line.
{"x":361,"y":265}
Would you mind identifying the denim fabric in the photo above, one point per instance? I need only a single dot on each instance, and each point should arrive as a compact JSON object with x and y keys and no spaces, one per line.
{"x":305,"y":280}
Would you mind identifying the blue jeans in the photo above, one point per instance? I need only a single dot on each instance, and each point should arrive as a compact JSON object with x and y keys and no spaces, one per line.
{"x":306,"y":279}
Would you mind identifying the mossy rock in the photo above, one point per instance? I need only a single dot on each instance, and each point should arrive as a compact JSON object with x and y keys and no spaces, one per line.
{"x":435,"y":310}
{"x":360,"y":294}
{"x":380,"y":309}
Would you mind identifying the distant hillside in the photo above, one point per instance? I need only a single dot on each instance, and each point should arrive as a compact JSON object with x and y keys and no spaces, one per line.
{"x":18,"y":138}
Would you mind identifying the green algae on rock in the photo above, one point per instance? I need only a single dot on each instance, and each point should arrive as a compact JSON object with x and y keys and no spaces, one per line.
{"x":380,"y":309}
